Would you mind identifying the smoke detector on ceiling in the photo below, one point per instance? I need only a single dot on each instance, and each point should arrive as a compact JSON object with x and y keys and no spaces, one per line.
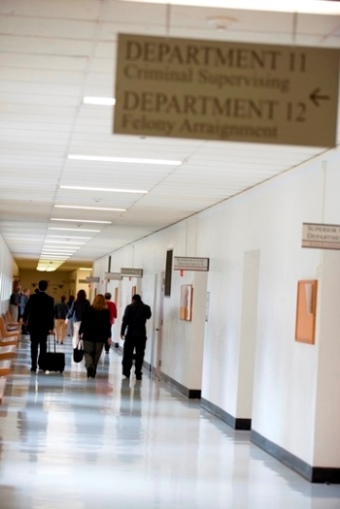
{"x":221,"y":22}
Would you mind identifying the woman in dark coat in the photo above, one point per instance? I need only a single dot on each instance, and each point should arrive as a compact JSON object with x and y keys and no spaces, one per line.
{"x":95,"y":330}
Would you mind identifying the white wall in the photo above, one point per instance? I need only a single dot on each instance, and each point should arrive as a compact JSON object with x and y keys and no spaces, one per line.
{"x":327,"y":405}
{"x":289,"y":377}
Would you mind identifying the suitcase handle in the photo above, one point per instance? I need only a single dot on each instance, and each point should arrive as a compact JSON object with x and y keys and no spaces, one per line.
{"x":48,"y":342}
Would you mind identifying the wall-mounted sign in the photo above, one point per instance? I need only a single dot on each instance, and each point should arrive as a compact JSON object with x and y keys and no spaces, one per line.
{"x":220,"y":90}
{"x":321,"y":236}
{"x":131,"y":272}
{"x":191,"y":263}
{"x":82,"y":281}
{"x":112,"y":276}
{"x":92,"y":279}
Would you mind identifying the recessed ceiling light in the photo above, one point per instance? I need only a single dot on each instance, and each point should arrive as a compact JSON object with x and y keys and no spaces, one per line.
{"x":80,"y":220}
{"x":67,"y":237}
{"x":85,"y":268}
{"x":58,"y":251}
{"x":68,"y":247}
{"x":72,"y":229}
{"x":49,"y":265}
{"x":73,"y":243}
{"x":100,"y":101}
{"x":89,"y":208}
{"x":54,"y":257}
{"x":105,"y":189}
{"x":132,"y":160}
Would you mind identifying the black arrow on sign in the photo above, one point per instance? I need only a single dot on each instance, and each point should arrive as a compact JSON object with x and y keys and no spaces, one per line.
{"x":315,"y":97}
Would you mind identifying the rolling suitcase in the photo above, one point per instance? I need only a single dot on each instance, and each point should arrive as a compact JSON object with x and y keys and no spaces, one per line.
{"x":52,"y":360}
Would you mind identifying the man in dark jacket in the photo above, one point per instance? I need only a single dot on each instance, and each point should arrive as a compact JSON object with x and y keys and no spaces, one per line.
{"x":134,"y":320}
{"x":39,"y":319}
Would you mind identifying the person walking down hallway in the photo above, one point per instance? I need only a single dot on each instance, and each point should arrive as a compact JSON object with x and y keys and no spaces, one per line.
{"x":39,"y":319}
{"x":95,"y":331}
{"x":14,"y":303}
{"x":69,"y":325}
{"x":76,"y":313}
{"x":133,"y":331}
{"x":113,"y":315}
{"x":22,"y":304}
{"x":60,"y":313}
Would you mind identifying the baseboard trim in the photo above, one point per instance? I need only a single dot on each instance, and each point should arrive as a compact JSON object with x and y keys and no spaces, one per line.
{"x":189,"y":393}
{"x":233,"y":422}
{"x":312,"y":474}
{"x":320,"y":475}
{"x":149,"y":368}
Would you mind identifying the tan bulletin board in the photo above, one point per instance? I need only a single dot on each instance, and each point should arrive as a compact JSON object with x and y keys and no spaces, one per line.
{"x":306,"y":311}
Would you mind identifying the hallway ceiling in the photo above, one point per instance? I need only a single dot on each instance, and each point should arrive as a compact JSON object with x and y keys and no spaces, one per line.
{"x":53,"y":53}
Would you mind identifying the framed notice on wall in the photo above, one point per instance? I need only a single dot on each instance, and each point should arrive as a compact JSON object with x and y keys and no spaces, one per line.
{"x":306,"y":311}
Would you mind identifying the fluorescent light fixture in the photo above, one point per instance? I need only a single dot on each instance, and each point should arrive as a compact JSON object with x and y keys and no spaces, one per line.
{"x":89,"y":208}
{"x":48,"y":265}
{"x":73,"y":229}
{"x":57,"y":252}
{"x":105,"y":189}
{"x":100,"y":101}
{"x":61,"y":247}
{"x":67,"y":237}
{"x":133,"y":160}
{"x":80,"y":220}
{"x":73,"y":243}
{"x":52,"y":257}
{"x":85,"y":268}
{"x":299,"y":6}
{"x":52,"y":253}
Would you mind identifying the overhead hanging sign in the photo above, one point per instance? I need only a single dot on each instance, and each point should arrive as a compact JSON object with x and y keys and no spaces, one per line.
{"x":191,"y":263}
{"x":92,"y":279}
{"x":112,"y":276}
{"x":131,"y":272}
{"x":321,"y":236}
{"x":219,"y":90}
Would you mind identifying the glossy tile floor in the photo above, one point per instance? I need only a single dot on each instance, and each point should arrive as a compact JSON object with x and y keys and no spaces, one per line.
{"x":74,"y":443}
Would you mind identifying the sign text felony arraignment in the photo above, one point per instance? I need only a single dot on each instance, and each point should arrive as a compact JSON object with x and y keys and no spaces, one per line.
{"x":226,"y":91}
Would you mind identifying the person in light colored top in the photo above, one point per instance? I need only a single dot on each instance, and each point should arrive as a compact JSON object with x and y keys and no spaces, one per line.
{"x":76,"y":313}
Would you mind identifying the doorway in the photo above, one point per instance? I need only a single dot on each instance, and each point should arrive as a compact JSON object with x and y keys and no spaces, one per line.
{"x":156,"y":346}
{"x":248,"y":334}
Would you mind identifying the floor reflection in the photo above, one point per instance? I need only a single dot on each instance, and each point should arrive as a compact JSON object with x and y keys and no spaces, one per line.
{"x":66,"y":440}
